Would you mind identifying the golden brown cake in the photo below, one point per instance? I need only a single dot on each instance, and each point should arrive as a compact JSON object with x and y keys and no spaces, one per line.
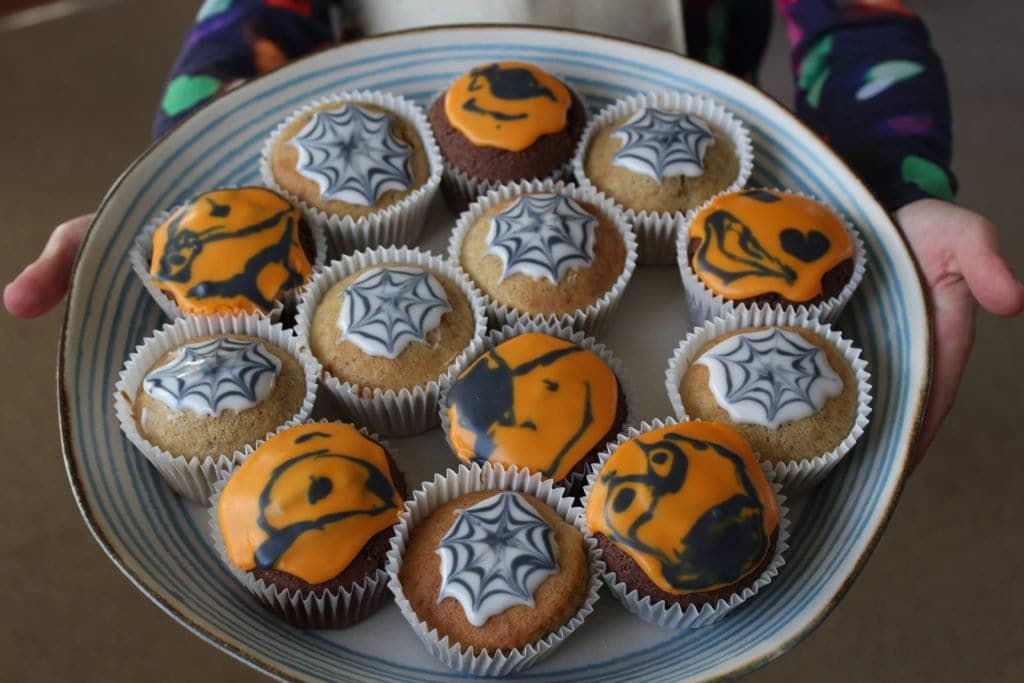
{"x":391,"y":327}
{"x":215,"y":395}
{"x":496,"y":570}
{"x":788,"y":390}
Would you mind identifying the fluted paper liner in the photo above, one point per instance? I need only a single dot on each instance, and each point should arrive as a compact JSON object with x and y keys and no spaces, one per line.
{"x":693,"y":616}
{"x":657,"y":231}
{"x":705,"y":304}
{"x":331,"y":609}
{"x":574,"y":482}
{"x":194,"y":477}
{"x":410,"y":410}
{"x":399,"y":223}
{"x":798,"y":475}
{"x":467,"y":479}
{"x":593,"y":317}
{"x":141,"y":254}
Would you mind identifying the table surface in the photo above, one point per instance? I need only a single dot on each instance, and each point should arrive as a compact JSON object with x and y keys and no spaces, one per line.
{"x":939,"y":599}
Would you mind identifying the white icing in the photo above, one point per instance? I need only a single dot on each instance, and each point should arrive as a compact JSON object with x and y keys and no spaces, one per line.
{"x":495,"y":556}
{"x":352,"y":156}
{"x":542,"y":236}
{"x":770,"y":377}
{"x":215,"y":375}
{"x":386,"y":308}
{"x":662,"y":144}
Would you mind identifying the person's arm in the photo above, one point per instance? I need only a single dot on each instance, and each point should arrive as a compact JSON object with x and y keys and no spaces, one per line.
{"x":870,"y":83}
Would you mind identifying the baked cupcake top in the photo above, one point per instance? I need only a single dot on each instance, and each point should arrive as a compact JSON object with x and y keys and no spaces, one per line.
{"x":349,"y":158}
{"x":543,"y":253}
{"x":495,"y":570}
{"x":788,"y":390}
{"x":534,"y":401}
{"x":216,"y":394}
{"x":507,"y":121}
{"x":689,"y":504}
{"x":307,"y":501}
{"x":391,"y":326}
{"x":232,"y":251}
{"x":748,"y":245}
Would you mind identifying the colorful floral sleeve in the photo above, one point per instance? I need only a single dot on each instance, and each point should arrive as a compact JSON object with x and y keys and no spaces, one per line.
{"x":233,"y":40}
{"x":869,"y":82}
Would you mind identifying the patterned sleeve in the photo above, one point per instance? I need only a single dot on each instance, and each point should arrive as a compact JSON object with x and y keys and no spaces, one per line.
{"x":869,"y":82}
{"x":233,"y":40}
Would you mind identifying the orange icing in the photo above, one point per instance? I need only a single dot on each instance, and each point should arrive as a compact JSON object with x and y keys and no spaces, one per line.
{"x":654,"y":495}
{"x":508,"y":105}
{"x":534,"y":401}
{"x":230,"y":251}
{"x":750,"y":247}
{"x":333,"y":489}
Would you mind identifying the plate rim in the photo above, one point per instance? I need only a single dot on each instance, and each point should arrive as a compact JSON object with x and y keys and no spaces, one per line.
{"x":249,"y":657}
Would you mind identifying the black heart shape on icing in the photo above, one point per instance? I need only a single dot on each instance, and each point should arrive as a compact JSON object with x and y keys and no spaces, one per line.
{"x":807,"y":247}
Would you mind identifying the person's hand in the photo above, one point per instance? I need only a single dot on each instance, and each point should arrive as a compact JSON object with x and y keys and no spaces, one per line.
{"x":959,"y":258}
{"x":43,"y":283}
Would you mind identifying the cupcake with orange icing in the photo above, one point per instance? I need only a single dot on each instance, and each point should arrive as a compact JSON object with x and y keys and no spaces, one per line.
{"x":765,"y":247}
{"x":225,"y":252}
{"x":504,"y":122}
{"x":688,"y":523}
{"x":305,"y":523}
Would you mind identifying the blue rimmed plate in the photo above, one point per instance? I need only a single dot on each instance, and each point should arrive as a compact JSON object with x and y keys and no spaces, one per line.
{"x":160,"y":542}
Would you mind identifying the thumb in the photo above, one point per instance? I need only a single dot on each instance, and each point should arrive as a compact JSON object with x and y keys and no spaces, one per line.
{"x":43,"y":283}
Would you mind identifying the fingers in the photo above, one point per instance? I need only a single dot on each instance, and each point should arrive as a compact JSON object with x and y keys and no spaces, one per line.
{"x":953,"y":309}
{"x":43,"y":283}
{"x":987,"y":273}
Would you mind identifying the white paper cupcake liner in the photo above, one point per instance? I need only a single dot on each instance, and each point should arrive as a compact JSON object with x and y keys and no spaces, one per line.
{"x":657,"y":231}
{"x":399,"y":223}
{"x":593,"y":317}
{"x":331,"y":609}
{"x":705,"y":304}
{"x":693,"y":616}
{"x":461,"y":189}
{"x":795,"y":476}
{"x":467,"y":479}
{"x":193,"y":478}
{"x":141,"y":253}
{"x":410,"y":410}
{"x":573,"y":484}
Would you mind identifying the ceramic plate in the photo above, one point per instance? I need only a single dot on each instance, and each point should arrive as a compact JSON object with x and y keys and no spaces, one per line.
{"x":161,"y":543}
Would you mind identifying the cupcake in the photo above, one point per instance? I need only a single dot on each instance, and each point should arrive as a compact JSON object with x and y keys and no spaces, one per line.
{"x":793,"y":387}
{"x":546,"y":402}
{"x":769,"y":247}
{"x":687,"y":522}
{"x":388,"y":327}
{"x":546,"y":251}
{"x":200,"y":394}
{"x":660,"y":156}
{"x":243,"y":250}
{"x":491,"y":569}
{"x":362,"y":165}
{"x":304,"y":523}
{"x":504,"y":122}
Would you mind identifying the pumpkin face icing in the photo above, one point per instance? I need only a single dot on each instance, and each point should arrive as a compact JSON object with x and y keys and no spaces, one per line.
{"x":307,"y":501}
{"x":534,"y":401}
{"x":230,"y":251}
{"x":508,"y":105}
{"x":760,"y":242}
{"x":689,"y":504}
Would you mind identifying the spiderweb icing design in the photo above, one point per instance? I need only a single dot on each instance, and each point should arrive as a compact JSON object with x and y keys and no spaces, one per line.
{"x":212,"y":376}
{"x":495,"y":556}
{"x":352,"y":156}
{"x":387,"y":308}
{"x":770,"y":377}
{"x":542,"y":236}
{"x":662,"y":144}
